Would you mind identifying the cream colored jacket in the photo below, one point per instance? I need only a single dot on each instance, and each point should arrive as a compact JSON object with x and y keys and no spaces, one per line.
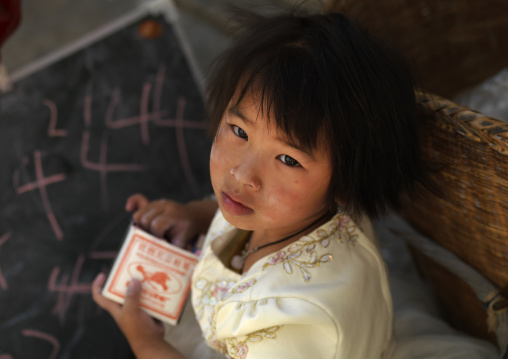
{"x":323,"y":296}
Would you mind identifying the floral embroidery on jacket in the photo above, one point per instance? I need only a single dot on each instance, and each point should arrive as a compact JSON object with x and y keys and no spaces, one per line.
{"x":240,"y":288}
{"x":238,"y":349}
{"x":209,"y":294}
{"x":341,"y":228}
{"x":211,"y":337}
{"x":344,"y":229}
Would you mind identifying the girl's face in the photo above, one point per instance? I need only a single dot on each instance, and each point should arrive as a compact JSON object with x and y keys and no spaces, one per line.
{"x":262,"y":182}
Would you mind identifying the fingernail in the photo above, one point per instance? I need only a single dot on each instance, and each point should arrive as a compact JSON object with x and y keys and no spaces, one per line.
{"x":133,"y":286}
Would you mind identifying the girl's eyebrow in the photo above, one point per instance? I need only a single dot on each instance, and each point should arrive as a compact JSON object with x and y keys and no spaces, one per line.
{"x":238,"y":113}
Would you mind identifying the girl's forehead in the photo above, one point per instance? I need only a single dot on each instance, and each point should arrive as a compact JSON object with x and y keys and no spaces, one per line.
{"x":247,"y":98}
{"x":250,"y":108}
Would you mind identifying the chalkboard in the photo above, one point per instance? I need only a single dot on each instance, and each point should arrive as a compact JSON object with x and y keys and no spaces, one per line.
{"x":121,"y":116}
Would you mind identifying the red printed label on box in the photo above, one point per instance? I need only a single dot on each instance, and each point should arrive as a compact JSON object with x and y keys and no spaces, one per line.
{"x":164,"y":271}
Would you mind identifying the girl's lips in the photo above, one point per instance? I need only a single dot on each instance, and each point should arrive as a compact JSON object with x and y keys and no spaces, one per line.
{"x":234,"y":207}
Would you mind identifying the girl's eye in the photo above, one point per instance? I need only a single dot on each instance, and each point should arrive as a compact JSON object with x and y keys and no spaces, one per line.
{"x":239,"y":132}
{"x":289,"y":161}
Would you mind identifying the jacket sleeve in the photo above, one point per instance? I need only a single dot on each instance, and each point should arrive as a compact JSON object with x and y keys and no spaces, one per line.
{"x":276,"y":328}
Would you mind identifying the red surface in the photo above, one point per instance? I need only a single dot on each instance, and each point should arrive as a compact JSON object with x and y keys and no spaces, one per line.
{"x":10,"y":16}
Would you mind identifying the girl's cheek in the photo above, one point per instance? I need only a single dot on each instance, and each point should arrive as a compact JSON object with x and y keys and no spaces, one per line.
{"x":214,"y":164}
{"x":213,"y":148}
{"x":215,"y":153}
{"x":277,"y":193}
{"x":219,"y":154}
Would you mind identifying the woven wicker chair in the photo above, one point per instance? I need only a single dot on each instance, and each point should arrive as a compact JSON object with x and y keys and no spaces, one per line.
{"x":453,"y":44}
{"x":471,"y":220}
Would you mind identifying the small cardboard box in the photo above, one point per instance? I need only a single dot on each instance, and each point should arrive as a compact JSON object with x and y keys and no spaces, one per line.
{"x":163,"y":269}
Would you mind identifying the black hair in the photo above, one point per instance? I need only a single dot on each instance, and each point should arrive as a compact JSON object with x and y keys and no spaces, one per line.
{"x":324,"y":78}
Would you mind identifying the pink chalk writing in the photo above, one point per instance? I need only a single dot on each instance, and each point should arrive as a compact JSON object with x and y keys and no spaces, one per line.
{"x":179,"y":125}
{"x":3,"y":282}
{"x":103,"y":167}
{"x":159,"y":82}
{"x":41,"y":183}
{"x":143,"y":118}
{"x":144,"y":115}
{"x":66,"y":291}
{"x":166,"y":122}
{"x":182,"y":150}
{"x":44,"y":336}
{"x":5,"y":356}
{"x":156,"y":116}
{"x":52,"y":131}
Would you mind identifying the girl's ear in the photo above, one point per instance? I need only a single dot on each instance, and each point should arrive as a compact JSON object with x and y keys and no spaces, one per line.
{"x":340,"y":202}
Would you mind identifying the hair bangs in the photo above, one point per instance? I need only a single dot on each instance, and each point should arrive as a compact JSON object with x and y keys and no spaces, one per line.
{"x":288,"y":97}
{"x":285,"y":83}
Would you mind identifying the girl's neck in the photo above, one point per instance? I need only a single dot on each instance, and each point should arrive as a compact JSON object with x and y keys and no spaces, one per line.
{"x":258,"y":239}
{"x":263,"y":237}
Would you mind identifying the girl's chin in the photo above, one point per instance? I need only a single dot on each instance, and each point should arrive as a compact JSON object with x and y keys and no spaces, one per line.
{"x":240,"y":222}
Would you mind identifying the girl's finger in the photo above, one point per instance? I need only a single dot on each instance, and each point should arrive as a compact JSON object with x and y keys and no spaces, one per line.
{"x":97,"y":284}
{"x":159,"y":327}
{"x":160,"y":225}
{"x":135,"y":202}
{"x":178,"y":234}
{"x":146,"y":218}
{"x":103,"y":302}
{"x":132,"y":296}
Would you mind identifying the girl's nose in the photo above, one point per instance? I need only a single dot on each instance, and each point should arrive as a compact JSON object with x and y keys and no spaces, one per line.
{"x":246,"y":175}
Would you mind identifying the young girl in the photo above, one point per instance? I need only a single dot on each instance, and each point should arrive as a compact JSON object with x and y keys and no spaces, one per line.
{"x":314,"y":130}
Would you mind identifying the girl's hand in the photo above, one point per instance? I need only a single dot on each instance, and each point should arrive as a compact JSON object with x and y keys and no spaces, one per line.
{"x":144,"y":334}
{"x":180,"y":223}
{"x":134,"y":322}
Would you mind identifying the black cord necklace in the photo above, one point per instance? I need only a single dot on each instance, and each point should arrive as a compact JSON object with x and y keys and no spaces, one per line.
{"x":238,"y":261}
